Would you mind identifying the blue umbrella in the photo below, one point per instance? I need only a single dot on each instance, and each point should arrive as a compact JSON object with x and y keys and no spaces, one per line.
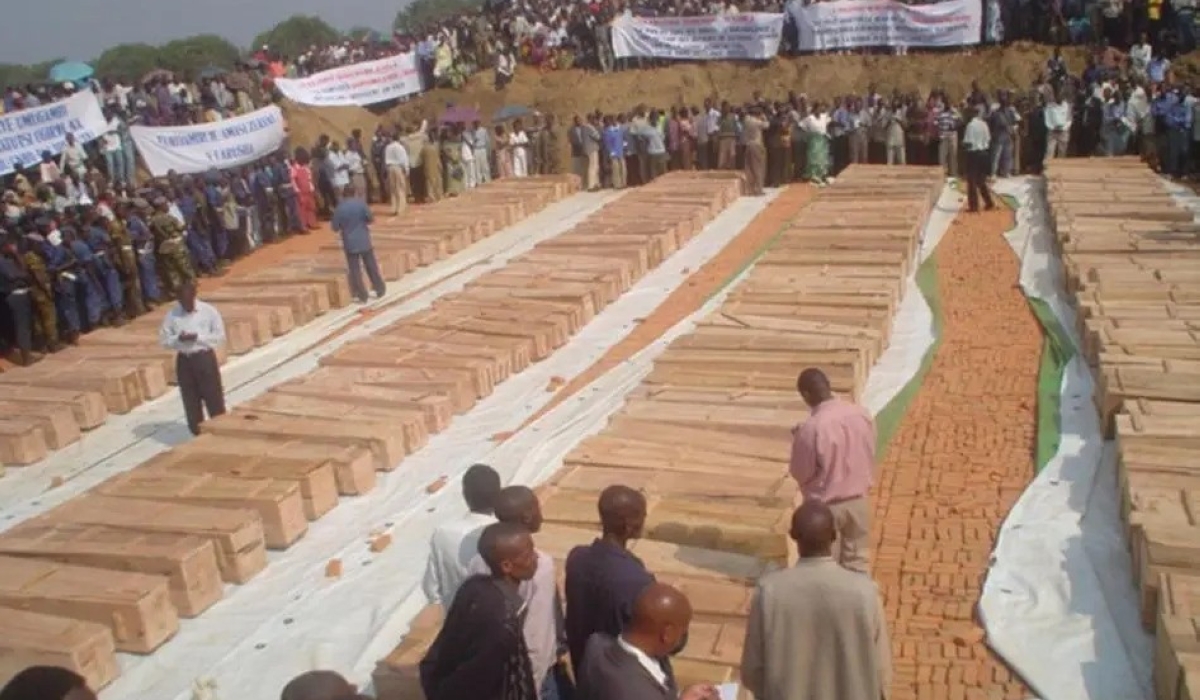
{"x":70,"y":72}
{"x":510,"y":112}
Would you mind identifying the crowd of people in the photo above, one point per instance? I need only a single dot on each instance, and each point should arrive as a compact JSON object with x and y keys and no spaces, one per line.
{"x":509,"y":633}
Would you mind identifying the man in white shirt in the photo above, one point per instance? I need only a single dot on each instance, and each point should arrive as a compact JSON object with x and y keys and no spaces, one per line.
{"x":340,"y":166}
{"x":194,"y":330}
{"x":1058,"y":127}
{"x":395,"y":159}
{"x":357,"y":171}
{"x":114,"y":155}
{"x":544,"y":635}
{"x":455,"y":543}
{"x":978,"y":140}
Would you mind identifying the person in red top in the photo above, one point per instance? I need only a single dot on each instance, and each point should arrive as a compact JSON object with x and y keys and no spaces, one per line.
{"x":833,"y":462}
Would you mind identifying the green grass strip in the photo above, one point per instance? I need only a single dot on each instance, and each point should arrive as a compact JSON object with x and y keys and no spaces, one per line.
{"x":888,"y":420}
{"x":749,"y":262}
{"x":1057,"y":351}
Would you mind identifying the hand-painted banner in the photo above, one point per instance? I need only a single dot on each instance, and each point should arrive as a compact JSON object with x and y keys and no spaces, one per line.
{"x":27,"y":134}
{"x":217,"y":145}
{"x":753,"y":36}
{"x":360,"y":84}
{"x":851,"y":24}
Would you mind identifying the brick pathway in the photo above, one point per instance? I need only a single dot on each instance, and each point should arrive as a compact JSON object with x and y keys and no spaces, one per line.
{"x":958,"y":461}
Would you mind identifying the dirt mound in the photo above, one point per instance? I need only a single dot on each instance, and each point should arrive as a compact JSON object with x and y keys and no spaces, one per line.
{"x":565,"y":93}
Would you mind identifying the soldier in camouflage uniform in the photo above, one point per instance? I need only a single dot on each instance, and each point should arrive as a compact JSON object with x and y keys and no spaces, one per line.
{"x":174,"y":266}
{"x":45,"y":316}
{"x":126,"y":261}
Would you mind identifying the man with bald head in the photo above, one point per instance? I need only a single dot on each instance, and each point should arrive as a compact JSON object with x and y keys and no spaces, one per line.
{"x":480,"y":653}
{"x":604,"y":578}
{"x":636,"y":664}
{"x":543,"y":617}
{"x":833,"y":462}
{"x":817,"y":629}
{"x":320,"y":685}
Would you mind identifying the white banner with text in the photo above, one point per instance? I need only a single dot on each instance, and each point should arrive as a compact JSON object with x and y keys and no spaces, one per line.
{"x":751,"y":35}
{"x":360,"y":84}
{"x":198,"y":148}
{"x":852,"y":24}
{"x":27,"y":134}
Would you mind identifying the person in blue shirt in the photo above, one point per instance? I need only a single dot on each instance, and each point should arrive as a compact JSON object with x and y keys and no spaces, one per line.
{"x":196,"y":239}
{"x":614,"y":152}
{"x":262,"y":184}
{"x":352,"y":220}
{"x":105,"y":271}
{"x":143,"y":244}
{"x":87,"y":284}
{"x":1178,"y":118}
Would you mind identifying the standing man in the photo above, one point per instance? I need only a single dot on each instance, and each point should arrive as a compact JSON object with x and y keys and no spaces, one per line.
{"x":352,"y":219}
{"x":756,"y":153}
{"x":480,"y":652}
{"x":1058,"y":126}
{"x":977,"y":140}
{"x":543,"y":612}
{"x":604,"y":578}
{"x":797,"y":612}
{"x":636,"y":664}
{"x":833,"y":462}
{"x":395,"y":159}
{"x":453,"y":544}
{"x":194,"y":330}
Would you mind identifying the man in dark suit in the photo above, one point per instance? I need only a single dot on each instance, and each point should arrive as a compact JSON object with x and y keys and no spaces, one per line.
{"x":635,"y":665}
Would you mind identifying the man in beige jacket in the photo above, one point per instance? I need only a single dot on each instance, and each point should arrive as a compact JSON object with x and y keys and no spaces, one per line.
{"x":816,"y":630}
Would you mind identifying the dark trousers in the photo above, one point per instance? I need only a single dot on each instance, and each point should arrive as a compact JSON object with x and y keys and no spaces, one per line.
{"x":20,"y":308}
{"x":355,"y":262}
{"x":977,"y":172}
{"x":199,"y":378}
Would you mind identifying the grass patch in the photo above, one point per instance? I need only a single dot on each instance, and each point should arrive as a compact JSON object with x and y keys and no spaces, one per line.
{"x":888,"y":420}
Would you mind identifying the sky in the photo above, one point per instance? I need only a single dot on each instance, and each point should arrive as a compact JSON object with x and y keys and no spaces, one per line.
{"x":43,"y":30}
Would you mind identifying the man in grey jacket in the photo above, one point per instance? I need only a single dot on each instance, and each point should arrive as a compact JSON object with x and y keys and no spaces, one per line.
{"x":635,"y":665}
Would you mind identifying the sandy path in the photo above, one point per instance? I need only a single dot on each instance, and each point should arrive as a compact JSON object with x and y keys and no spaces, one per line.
{"x":958,"y":461}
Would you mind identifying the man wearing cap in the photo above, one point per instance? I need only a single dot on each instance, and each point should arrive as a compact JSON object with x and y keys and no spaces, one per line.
{"x":125,"y":259}
{"x":15,"y":284}
{"x":41,"y":293}
{"x":134,"y":218}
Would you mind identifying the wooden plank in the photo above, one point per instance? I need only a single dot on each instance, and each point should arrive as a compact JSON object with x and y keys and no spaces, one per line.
{"x":408,"y":422}
{"x":88,"y":407}
{"x":435,"y":407}
{"x":119,"y":387}
{"x":22,"y":441}
{"x":387,"y":447}
{"x":189,"y":563}
{"x":236,"y":534}
{"x":314,"y":476}
{"x":34,"y":639}
{"x":353,"y":465}
{"x":135,"y":607}
{"x":1177,"y":632}
{"x":278,"y":503}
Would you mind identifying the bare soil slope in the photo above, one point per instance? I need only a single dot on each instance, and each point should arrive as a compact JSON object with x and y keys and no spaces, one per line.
{"x":565,"y":93}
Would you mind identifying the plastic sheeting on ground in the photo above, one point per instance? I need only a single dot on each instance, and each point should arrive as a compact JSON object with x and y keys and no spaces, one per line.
{"x":125,"y":441}
{"x":290,"y":618}
{"x":1058,"y":603}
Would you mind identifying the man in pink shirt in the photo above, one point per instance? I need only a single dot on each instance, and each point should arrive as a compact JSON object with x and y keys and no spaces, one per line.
{"x":833,"y":461}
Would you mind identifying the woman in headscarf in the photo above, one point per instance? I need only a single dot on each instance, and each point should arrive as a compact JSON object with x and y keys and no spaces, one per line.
{"x":455,"y":179}
{"x":306,"y":193}
{"x":816,"y":128}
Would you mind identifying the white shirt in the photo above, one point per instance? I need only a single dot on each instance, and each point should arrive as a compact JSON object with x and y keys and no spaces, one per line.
{"x":396,"y":156}
{"x":652,"y":667}
{"x":204,"y":320}
{"x":977,"y":137}
{"x":112,"y":136}
{"x":451,"y":549}
{"x":341,"y":171}
{"x":541,"y":618}
{"x":354,"y":163}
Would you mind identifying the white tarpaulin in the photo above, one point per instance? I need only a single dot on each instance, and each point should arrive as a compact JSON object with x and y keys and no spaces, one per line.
{"x":197,"y":148}
{"x":360,"y":84}
{"x":751,"y":35}
{"x":1059,"y":603}
{"x":850,"y":24}
{"x":26,"y":134}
